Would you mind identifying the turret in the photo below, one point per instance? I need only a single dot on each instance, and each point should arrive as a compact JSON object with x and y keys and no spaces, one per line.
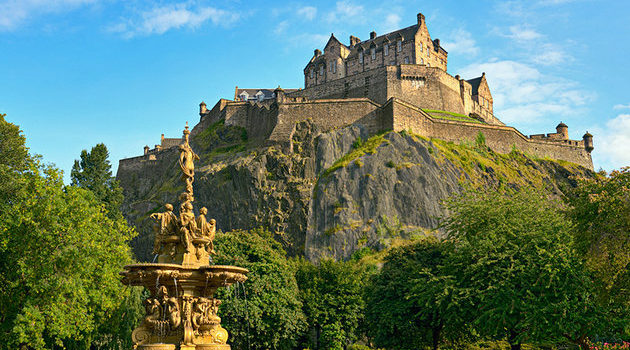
{"x":279,"y":92}
{"x":588,"y":142}
{"x":202,"y":108}
{"x":563,"y":129}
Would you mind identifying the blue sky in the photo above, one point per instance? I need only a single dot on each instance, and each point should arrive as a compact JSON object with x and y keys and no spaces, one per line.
{"x":74,"y":73}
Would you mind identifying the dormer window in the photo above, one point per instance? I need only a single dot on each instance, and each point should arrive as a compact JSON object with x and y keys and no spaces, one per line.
{"x":373,"y":52}
{"x":399,"y":46}
{"x":360,"y":56}
{"x":386,"y":49}
{"x":244,"y":95}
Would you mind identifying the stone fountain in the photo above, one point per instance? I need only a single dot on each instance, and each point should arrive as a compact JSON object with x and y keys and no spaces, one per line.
{"x":181,"y":312}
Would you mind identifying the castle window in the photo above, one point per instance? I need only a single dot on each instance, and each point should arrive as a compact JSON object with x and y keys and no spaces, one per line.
{"x":421,"y":60}
{"x":321,"y":70}
{"x":334,"y":66}
{"x":360,"y":56}
{"x":392,"y":63}
{"x":386,"y":50}
{"x":420,"y":46}
{"x":311,"y":73}
{"x":399,"y":46}
{"x":428,"y":51}
{"x":406,"y":60}
{"x":373,"y":52}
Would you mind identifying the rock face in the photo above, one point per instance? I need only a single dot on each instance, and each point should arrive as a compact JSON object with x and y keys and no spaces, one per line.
{"x":329,"y":194}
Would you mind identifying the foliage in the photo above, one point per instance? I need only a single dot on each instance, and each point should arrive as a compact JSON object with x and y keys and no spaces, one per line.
{"x":400,"y":314}
{"x":600,"y":208}
{"x":450,"y":116}
{"x":93,"y":172}
{"x":516,"y":272}
{"x":60,"y":255}
{"x":359,"y":149}
{"x":264,"y":313}
{"x":331,"y":296}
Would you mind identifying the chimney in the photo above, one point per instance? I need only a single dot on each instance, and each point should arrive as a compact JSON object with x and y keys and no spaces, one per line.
{"x":146,"y":149}
{"x":279,"y":92}
{"x":317,"y":53}
{"x":436,"y":43}
{"x":420,"y":18}
{"x":354,"y":40}
{"x":202,"y":108}
{"x":372,"y":35}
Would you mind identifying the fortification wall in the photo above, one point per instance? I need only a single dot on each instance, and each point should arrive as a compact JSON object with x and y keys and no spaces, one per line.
{"x":328,"y":114}
{"x":499,"y":138}
{"x":371,"y":84}
{"x":423,"y":86}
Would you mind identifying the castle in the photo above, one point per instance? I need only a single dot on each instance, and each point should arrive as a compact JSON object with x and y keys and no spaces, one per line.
{"x":397,"y":81}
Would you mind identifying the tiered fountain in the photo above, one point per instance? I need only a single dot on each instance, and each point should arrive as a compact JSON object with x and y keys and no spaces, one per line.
{"x":182,"y":312}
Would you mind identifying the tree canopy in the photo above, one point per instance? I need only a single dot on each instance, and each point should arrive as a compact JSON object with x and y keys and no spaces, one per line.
{"x":265,"y":312}
{"x":60,"y":255}
{"x":93,"y":172}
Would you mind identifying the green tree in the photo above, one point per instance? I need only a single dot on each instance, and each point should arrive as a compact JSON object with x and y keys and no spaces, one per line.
{"x":265,"y":312}
{"x":516,"y":272}
{"x":93,"y":172}
{"x":59,"y":257}
{"x":406,"y":300}
{"x":331,"y":293}
{"x":600,"y":209}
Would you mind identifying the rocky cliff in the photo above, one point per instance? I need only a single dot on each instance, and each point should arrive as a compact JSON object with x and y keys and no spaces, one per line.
{"x":328,"y":193}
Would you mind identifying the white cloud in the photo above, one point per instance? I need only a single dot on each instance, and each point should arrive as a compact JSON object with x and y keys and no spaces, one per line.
{"x":281,"y":27}
{"x":14,"y":13}
{"x":520,"y":33}
{"x":392,"y":22}
{"x":461,"y":42}
{"x":162,"y":19}
{"x":620,"y":106}
{"x":346,"y":11}
{"x":307,"y":12}
{"x":549,"y":55}
{"x":612,"y":143}
{"x":523,"y":95}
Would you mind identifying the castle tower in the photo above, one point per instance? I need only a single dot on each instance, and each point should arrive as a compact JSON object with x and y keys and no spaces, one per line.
{"x":588,"y":142}
{"x":563,"y":129}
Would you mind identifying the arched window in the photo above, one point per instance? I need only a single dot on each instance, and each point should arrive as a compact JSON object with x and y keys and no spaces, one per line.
{"x":373,"y":52}
{"x":399,"y":45}
{"x":360,"y":56}
{"x":386,"y":49}
{"x":321,"y":70}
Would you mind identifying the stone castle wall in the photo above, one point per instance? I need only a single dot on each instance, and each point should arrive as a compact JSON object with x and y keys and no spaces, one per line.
{"x":426,"y":87}
{"x":499,"y":138}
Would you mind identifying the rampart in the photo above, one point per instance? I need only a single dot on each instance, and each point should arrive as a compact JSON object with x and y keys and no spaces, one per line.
{"x":423,"y":86}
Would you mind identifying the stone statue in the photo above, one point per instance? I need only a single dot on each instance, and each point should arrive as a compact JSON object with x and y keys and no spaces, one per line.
{"x":206,"y":229}
{"x":188,"y":225}
{"x":166,"y":226}
{"x":187,"y":161}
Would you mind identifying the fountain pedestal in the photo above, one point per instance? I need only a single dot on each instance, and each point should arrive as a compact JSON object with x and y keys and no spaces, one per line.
{"x":182,"y":311}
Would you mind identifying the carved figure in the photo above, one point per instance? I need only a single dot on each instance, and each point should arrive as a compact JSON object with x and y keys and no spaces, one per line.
{"x":166,"y":225}
{"x":206,"y":229}
{"x":187,"y":161}
{"x":188,"y":225}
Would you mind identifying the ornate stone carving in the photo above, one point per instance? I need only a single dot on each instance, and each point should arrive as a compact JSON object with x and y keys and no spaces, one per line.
{"x":181,"y":312}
